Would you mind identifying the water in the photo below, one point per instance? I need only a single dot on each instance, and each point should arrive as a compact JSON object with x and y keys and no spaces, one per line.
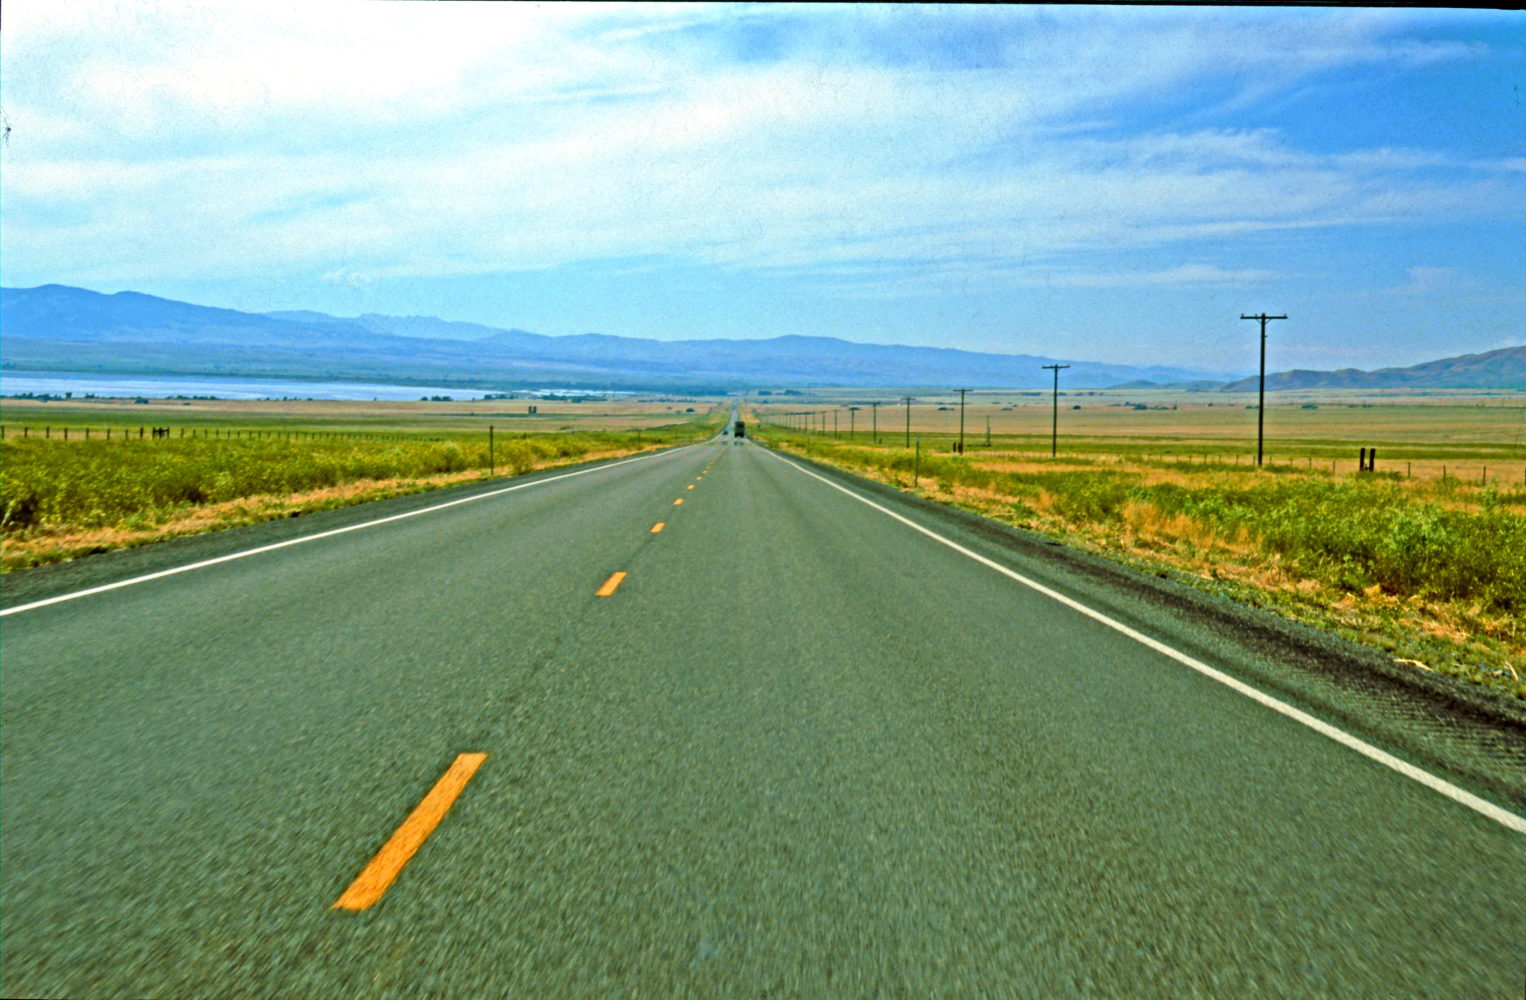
{"x":15,"y":383}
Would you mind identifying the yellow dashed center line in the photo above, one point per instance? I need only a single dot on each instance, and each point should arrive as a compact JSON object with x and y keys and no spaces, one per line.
{"x":610,"y":585}
{"x":656,"y":528}
{"x":408,"y":838}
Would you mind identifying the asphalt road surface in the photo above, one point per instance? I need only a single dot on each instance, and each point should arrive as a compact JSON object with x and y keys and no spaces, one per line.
{"x":800,"y":749}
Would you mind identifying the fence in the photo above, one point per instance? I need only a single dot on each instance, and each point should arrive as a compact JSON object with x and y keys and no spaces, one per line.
{"x":49,"y":432}
{"x":1474,"y":472}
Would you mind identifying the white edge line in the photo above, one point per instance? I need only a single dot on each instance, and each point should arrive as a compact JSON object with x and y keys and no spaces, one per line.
{"x":322,"y":534}
{"x":1502,"y":816}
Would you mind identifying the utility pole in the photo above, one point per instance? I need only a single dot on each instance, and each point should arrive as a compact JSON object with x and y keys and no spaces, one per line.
{"x":908,"y":421}
{"x":851,"y":421}
{"x":874,"y":418}
{"x":1054,"y":429}
{"x":1261,"y":403}
{"x":961,"y":418}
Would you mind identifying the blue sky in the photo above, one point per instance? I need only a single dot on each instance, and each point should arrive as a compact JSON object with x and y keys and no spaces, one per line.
{"x":1100,"y":183}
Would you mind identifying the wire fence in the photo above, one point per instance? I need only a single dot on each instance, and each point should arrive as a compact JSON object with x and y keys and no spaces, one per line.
{"x":1386,"y":462}
{"x":48,"y":432}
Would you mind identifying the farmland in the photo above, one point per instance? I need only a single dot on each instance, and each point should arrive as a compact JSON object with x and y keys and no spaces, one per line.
{"x":83,"y":477}
{"x":1420,"y":557}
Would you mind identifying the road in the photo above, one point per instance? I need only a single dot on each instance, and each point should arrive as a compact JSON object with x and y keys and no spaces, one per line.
{"x":801,"y":749}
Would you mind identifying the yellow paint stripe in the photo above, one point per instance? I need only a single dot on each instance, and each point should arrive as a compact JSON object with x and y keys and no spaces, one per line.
{"x":610,"y":585}
{"x":373,"y":881}
{"x":657,"y":528}
{"x":678,"y":502}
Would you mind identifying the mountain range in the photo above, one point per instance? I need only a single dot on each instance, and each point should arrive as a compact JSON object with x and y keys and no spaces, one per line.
{"x":59,"y":328}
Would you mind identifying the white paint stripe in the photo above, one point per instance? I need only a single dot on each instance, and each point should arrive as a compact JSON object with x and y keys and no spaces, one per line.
{"x":1508,"y":819}
{"x":315,"y":537}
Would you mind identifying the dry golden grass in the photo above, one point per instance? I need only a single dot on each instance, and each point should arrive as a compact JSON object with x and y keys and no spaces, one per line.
{"x":329,"y":410}
{"x":1465,"y":638}
{"x":48,"y":544}
{"x":1464,"y":435}
{"x":1406,"y":418}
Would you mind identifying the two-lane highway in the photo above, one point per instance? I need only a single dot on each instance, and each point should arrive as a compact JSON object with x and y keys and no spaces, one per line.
{"x":798,"y":748}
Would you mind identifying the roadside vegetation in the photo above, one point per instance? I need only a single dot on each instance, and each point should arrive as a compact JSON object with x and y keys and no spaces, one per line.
{"x":1430,"y":570}
{"x":62,"y":499}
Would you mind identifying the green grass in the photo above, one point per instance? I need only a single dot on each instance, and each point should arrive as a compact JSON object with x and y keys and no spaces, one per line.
{"x":52,"y":487}
{"x":1396,"y":554}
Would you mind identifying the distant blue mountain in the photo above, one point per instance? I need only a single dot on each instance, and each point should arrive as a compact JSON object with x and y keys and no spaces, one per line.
{"x":56,"y":327}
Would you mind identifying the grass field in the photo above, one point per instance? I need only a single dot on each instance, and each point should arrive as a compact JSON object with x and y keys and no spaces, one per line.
{"x":1421,"y":558}
{"x":1468,"y":435}
{"x":31,"y":417}
{"x":86,"y":477}
{"x":1430,"y":569}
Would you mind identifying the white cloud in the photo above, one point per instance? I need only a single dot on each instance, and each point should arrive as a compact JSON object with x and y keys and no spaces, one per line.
{"x":394,"y":139}
{"x":1194,"y":275}
{"x":1423,"y":281}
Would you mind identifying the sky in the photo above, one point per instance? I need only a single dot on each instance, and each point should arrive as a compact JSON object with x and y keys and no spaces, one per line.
{"x":1099,"y":183}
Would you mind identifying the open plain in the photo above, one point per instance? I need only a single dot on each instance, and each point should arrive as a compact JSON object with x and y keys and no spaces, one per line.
{"x":1419,"y":557}
{"x":84,"y":477}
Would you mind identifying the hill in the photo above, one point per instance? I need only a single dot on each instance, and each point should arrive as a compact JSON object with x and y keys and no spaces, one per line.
{"x":1501,"y":369}
{"x":59,"y":328}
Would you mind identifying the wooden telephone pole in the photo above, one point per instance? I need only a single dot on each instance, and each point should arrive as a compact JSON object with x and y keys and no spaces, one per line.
{"x":1261,"y":403}
{"x":1054,"y":428}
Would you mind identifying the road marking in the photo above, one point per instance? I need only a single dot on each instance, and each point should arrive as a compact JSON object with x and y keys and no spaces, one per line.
{"x":1502,"y":816}
{"x":377,"y":876}
{"x":315,"y":537}
{"x":689,"y":487}
{"x":678,"y":502}
{"x":610,"y":585}
{"x":657,"y":528}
